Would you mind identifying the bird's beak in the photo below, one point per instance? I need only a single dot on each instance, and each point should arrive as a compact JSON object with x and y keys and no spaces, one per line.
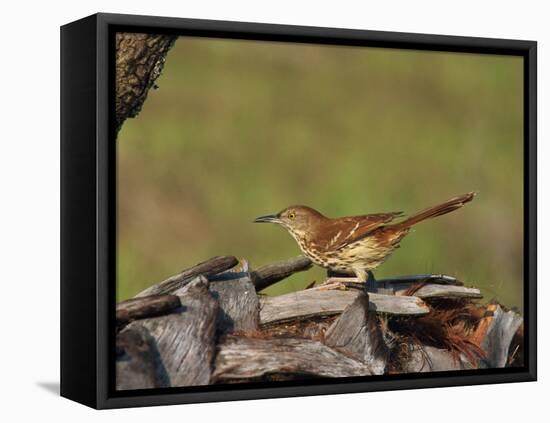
{"x":272,"y":218}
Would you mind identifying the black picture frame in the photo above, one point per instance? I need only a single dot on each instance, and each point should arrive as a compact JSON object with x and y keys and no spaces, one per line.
{"x":88,"y":249}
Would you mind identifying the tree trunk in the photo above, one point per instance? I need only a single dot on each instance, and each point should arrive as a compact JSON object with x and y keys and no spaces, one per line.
{"x":139,"y":62}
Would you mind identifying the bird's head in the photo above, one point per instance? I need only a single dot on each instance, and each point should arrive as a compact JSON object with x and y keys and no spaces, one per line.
{"x":296,"y":219}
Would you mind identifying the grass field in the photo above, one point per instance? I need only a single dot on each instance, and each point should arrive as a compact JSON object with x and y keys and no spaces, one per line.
{"x":239,"y":129}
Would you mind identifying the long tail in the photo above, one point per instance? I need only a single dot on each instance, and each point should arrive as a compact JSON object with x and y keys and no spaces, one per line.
{"x":439,"y":210}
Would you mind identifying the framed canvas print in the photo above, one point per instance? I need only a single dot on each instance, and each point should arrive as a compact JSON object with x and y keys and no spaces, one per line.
{"x":256,"y":211}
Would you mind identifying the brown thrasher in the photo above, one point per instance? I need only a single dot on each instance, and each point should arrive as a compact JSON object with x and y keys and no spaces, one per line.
{"x":355,"y":244}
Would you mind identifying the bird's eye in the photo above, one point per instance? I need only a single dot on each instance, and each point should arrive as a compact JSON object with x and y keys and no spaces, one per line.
{"x":291,"y":215}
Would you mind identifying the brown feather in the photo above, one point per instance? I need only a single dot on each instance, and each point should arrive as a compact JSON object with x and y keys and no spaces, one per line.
{"x":376,"y":224}
{"x":439,"y":210}
{"x":339,"y":232}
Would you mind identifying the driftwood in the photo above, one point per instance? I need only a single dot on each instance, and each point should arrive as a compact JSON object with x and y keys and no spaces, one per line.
{"x":140,"y":308}
{"x":428,"y":286}
{"x":242,"y":358}
{"x":208,"y":268}
{"x":432,"y":290}
{"x":357,"y":333}
{"x":223,"y":332}
{"x":186,"y":339}
{"x":502,"y":327}
{"x":269,"y":274}
{"x":318,"y":302}
{"x":138,"y":364}
{"x":422,"y":359}
{"x":238,"y":303}
{"x":408,"y":280}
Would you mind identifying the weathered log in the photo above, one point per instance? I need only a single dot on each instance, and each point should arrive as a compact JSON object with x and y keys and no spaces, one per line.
{"x":138,"y":364}
{"x":238,"y":303}
{"x":139,"y":62}
{"x":318,"y":302}
{"x":316,"y":332}
{"x":402,"y":282}
{"x":422,"y":359}
{"x":428,"y":286}
{"x":357,"y":333}
{"x":267,"y":275}
{"x":208,"y":268}
{"x":140,"y":308}
{"x":516,"y":352}
{"x":432,"y":290}
{"x":191,"y":286}
{"x":421,"y":290}
{"x":241,"y":358}
{"x":501,"y":329}
{"x":185,"y":340}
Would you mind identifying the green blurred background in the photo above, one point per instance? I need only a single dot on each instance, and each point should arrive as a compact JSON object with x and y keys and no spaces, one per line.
{"x":240,"y":129}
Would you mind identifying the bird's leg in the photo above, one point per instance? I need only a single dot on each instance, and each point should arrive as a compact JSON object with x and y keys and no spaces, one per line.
{"x":371,"y":284}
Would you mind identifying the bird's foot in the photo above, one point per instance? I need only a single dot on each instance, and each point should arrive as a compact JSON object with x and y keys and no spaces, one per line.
{"x":341,"y":283}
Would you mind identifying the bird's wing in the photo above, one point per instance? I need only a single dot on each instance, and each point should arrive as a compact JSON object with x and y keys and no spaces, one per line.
{"x":343,"y":231}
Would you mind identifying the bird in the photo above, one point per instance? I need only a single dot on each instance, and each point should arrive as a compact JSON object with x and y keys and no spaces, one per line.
{"x":354,"y":244}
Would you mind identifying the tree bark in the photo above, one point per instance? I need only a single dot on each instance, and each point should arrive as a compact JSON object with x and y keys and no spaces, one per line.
{"x":316,"y":302}
{"x":207,"y":269}
{"x":139,"y":62}
{"x":141,"y":308}
{"x":246,"y":359}
{"x":357,"y":333}
{"x":185,"y":339}
{"x":272,"y":273}
{"x":138,"y":363}
{"x":223,"y":332}
{"x":239,"y":308}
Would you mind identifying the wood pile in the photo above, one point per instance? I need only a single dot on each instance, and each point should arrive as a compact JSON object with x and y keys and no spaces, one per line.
{"x":208,"y":325}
